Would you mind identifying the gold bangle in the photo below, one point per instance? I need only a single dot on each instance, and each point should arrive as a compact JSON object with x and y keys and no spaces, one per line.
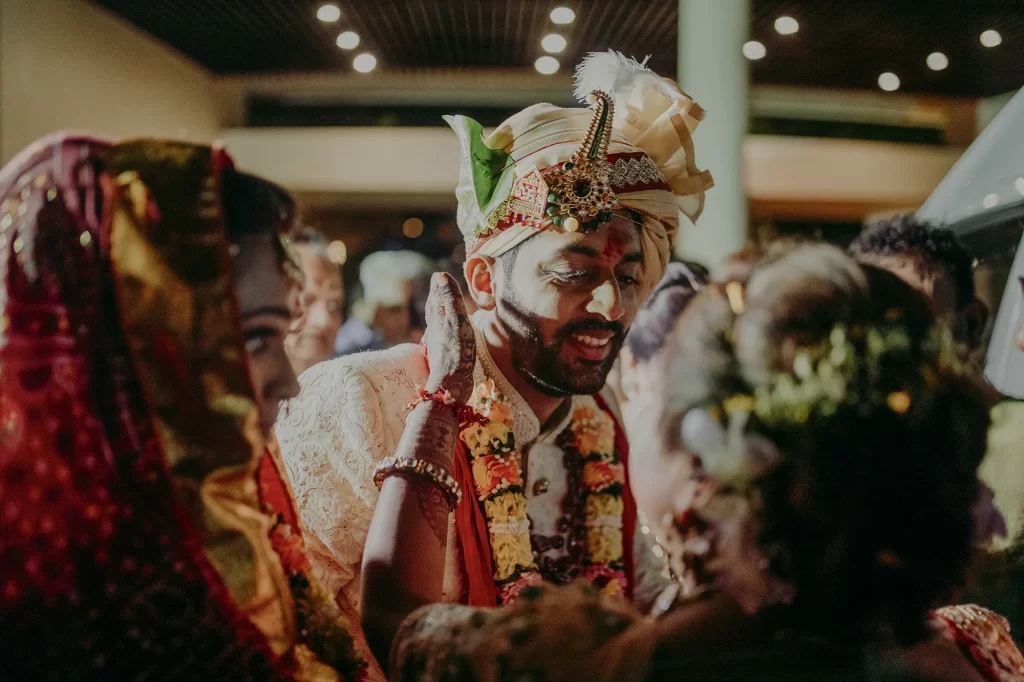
{"x":420,"y":467}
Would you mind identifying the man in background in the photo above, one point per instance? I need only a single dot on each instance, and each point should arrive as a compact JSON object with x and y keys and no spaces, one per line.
{"x":382,"y":318}
{"x":323,"y":300}
{"x":421,"y":291}
{"x":933,"y":260}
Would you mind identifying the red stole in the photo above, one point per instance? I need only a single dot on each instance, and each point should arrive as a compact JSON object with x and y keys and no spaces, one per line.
{"x":475,"y":538}
{"x":275,"y":496}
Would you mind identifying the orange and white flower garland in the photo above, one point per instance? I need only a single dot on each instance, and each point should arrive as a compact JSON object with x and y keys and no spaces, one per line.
{"x":592,"y":436}
{"x":498,"y":483}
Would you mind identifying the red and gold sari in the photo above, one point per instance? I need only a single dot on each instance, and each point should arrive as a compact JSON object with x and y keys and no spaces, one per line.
{"x":132,"y":539}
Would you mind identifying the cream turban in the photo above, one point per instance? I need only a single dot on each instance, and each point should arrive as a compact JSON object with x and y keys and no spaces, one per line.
{"x":646,"y":161}
{"x":386,"y":276}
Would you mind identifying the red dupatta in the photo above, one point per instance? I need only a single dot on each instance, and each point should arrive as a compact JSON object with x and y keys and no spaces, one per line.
{"x":104,"y":573}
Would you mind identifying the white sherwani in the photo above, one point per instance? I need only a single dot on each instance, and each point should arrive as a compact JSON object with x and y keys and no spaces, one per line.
{"x":349,"y":415}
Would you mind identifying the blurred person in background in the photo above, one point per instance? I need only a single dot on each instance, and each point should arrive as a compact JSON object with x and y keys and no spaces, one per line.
{"x":322,"y":299}
{"x":933,"y":260}
{"x":381,"y":319}
{"x":421,"y":292}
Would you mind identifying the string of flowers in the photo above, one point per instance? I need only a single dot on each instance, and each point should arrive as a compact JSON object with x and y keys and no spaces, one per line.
{"x":498,"y":483}
{"x":591,"y":436}
{"x":322,"y":629}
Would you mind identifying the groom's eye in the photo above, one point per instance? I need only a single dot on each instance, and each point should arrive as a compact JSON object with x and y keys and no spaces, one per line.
{"x":570,"y":276}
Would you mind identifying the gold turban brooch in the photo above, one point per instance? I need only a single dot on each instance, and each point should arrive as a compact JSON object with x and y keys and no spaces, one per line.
{"x":554,"y":168}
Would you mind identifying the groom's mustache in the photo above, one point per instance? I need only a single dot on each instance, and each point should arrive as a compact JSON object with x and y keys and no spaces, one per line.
{"x":617,"y":329}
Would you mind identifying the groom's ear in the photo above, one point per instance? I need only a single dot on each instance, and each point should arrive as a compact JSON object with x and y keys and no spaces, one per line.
{"x":480,"y":275}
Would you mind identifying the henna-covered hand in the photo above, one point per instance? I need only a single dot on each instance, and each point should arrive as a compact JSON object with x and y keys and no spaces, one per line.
{"x":434,"y":507}
{"x":450,"y":341}
{"x":431,"y":433}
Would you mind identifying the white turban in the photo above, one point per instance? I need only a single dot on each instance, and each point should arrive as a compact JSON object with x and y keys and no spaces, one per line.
{"x":650,"y":152}
{"x":386,"y":276}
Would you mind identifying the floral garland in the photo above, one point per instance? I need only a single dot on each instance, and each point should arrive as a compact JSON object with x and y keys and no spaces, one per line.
{"x":496,"y":465}
{"x":591,"y":436}
{"x":322,"y":629}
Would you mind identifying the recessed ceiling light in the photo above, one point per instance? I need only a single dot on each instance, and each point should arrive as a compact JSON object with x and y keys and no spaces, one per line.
{"x":1018,"y":185}
{"x":563,"y":15}
{"x":889,"y":81}
{"x":991,"y":38}
{"x":786,"y":26}
{"x":553,"y":43}
{"x":547,"y":65}
{"x":349,"y":40}
{"x":754,"y":50}
{"x":337,"y":252}
{"x":364,"y":63}
{"x":328,"y":13}
{"x":937,"y":61}
{"x":990,"y":200}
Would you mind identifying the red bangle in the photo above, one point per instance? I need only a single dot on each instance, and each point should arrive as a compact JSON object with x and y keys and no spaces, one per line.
{"x":465,"y":414}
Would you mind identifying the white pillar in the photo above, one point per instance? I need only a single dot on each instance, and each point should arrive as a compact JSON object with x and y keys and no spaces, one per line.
{"x":713,"y":70}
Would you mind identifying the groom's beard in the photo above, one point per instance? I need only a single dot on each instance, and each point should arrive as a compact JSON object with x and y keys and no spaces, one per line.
{"x":550,"y":365}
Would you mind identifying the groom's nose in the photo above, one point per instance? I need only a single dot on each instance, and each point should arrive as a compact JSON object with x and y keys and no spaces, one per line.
{"x":606,"y":301}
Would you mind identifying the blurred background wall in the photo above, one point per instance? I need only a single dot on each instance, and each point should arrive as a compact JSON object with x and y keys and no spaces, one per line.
{"x":821,"y":114}
{"x":71,"y":64}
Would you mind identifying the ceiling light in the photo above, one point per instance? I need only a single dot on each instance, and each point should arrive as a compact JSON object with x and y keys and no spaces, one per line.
{"x":563,"y":15}
{"x":412,"y":228}
{"x":547,"y":65}
{"x":364,"y":63}
{"x":1018,"y":185}
{"x":937,"y":61}
{"x":990,"y":201}
{"x":328,"y":13}
{"x":754,"y":50}
{"x":889,"y":81}
{"x":337,"y":252}
{"x":786,"y":26}
{"x":991,"y":38}
{"x":348,"y":40}
{"x":553,"y":43}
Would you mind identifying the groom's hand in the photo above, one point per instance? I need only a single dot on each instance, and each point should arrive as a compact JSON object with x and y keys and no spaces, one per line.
{"x":450,"y":342}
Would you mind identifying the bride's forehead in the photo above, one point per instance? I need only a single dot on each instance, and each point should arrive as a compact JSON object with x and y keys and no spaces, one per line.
{"x":259,"y":277}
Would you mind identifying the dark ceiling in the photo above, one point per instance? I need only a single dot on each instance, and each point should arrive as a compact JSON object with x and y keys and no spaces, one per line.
{"x":841,"y":43}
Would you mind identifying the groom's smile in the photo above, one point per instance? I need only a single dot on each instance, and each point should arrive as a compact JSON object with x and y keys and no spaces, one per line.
{"x":566,"y":302}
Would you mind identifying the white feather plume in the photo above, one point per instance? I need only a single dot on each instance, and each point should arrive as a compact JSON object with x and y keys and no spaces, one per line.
{"x":613,"y":73}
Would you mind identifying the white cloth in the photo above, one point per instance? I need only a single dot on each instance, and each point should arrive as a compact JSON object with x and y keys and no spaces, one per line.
{"x":385,"y":276}
{"x":349,"y":415}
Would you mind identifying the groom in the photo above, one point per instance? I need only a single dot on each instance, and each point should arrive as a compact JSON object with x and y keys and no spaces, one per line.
{"x":569,"y":217}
